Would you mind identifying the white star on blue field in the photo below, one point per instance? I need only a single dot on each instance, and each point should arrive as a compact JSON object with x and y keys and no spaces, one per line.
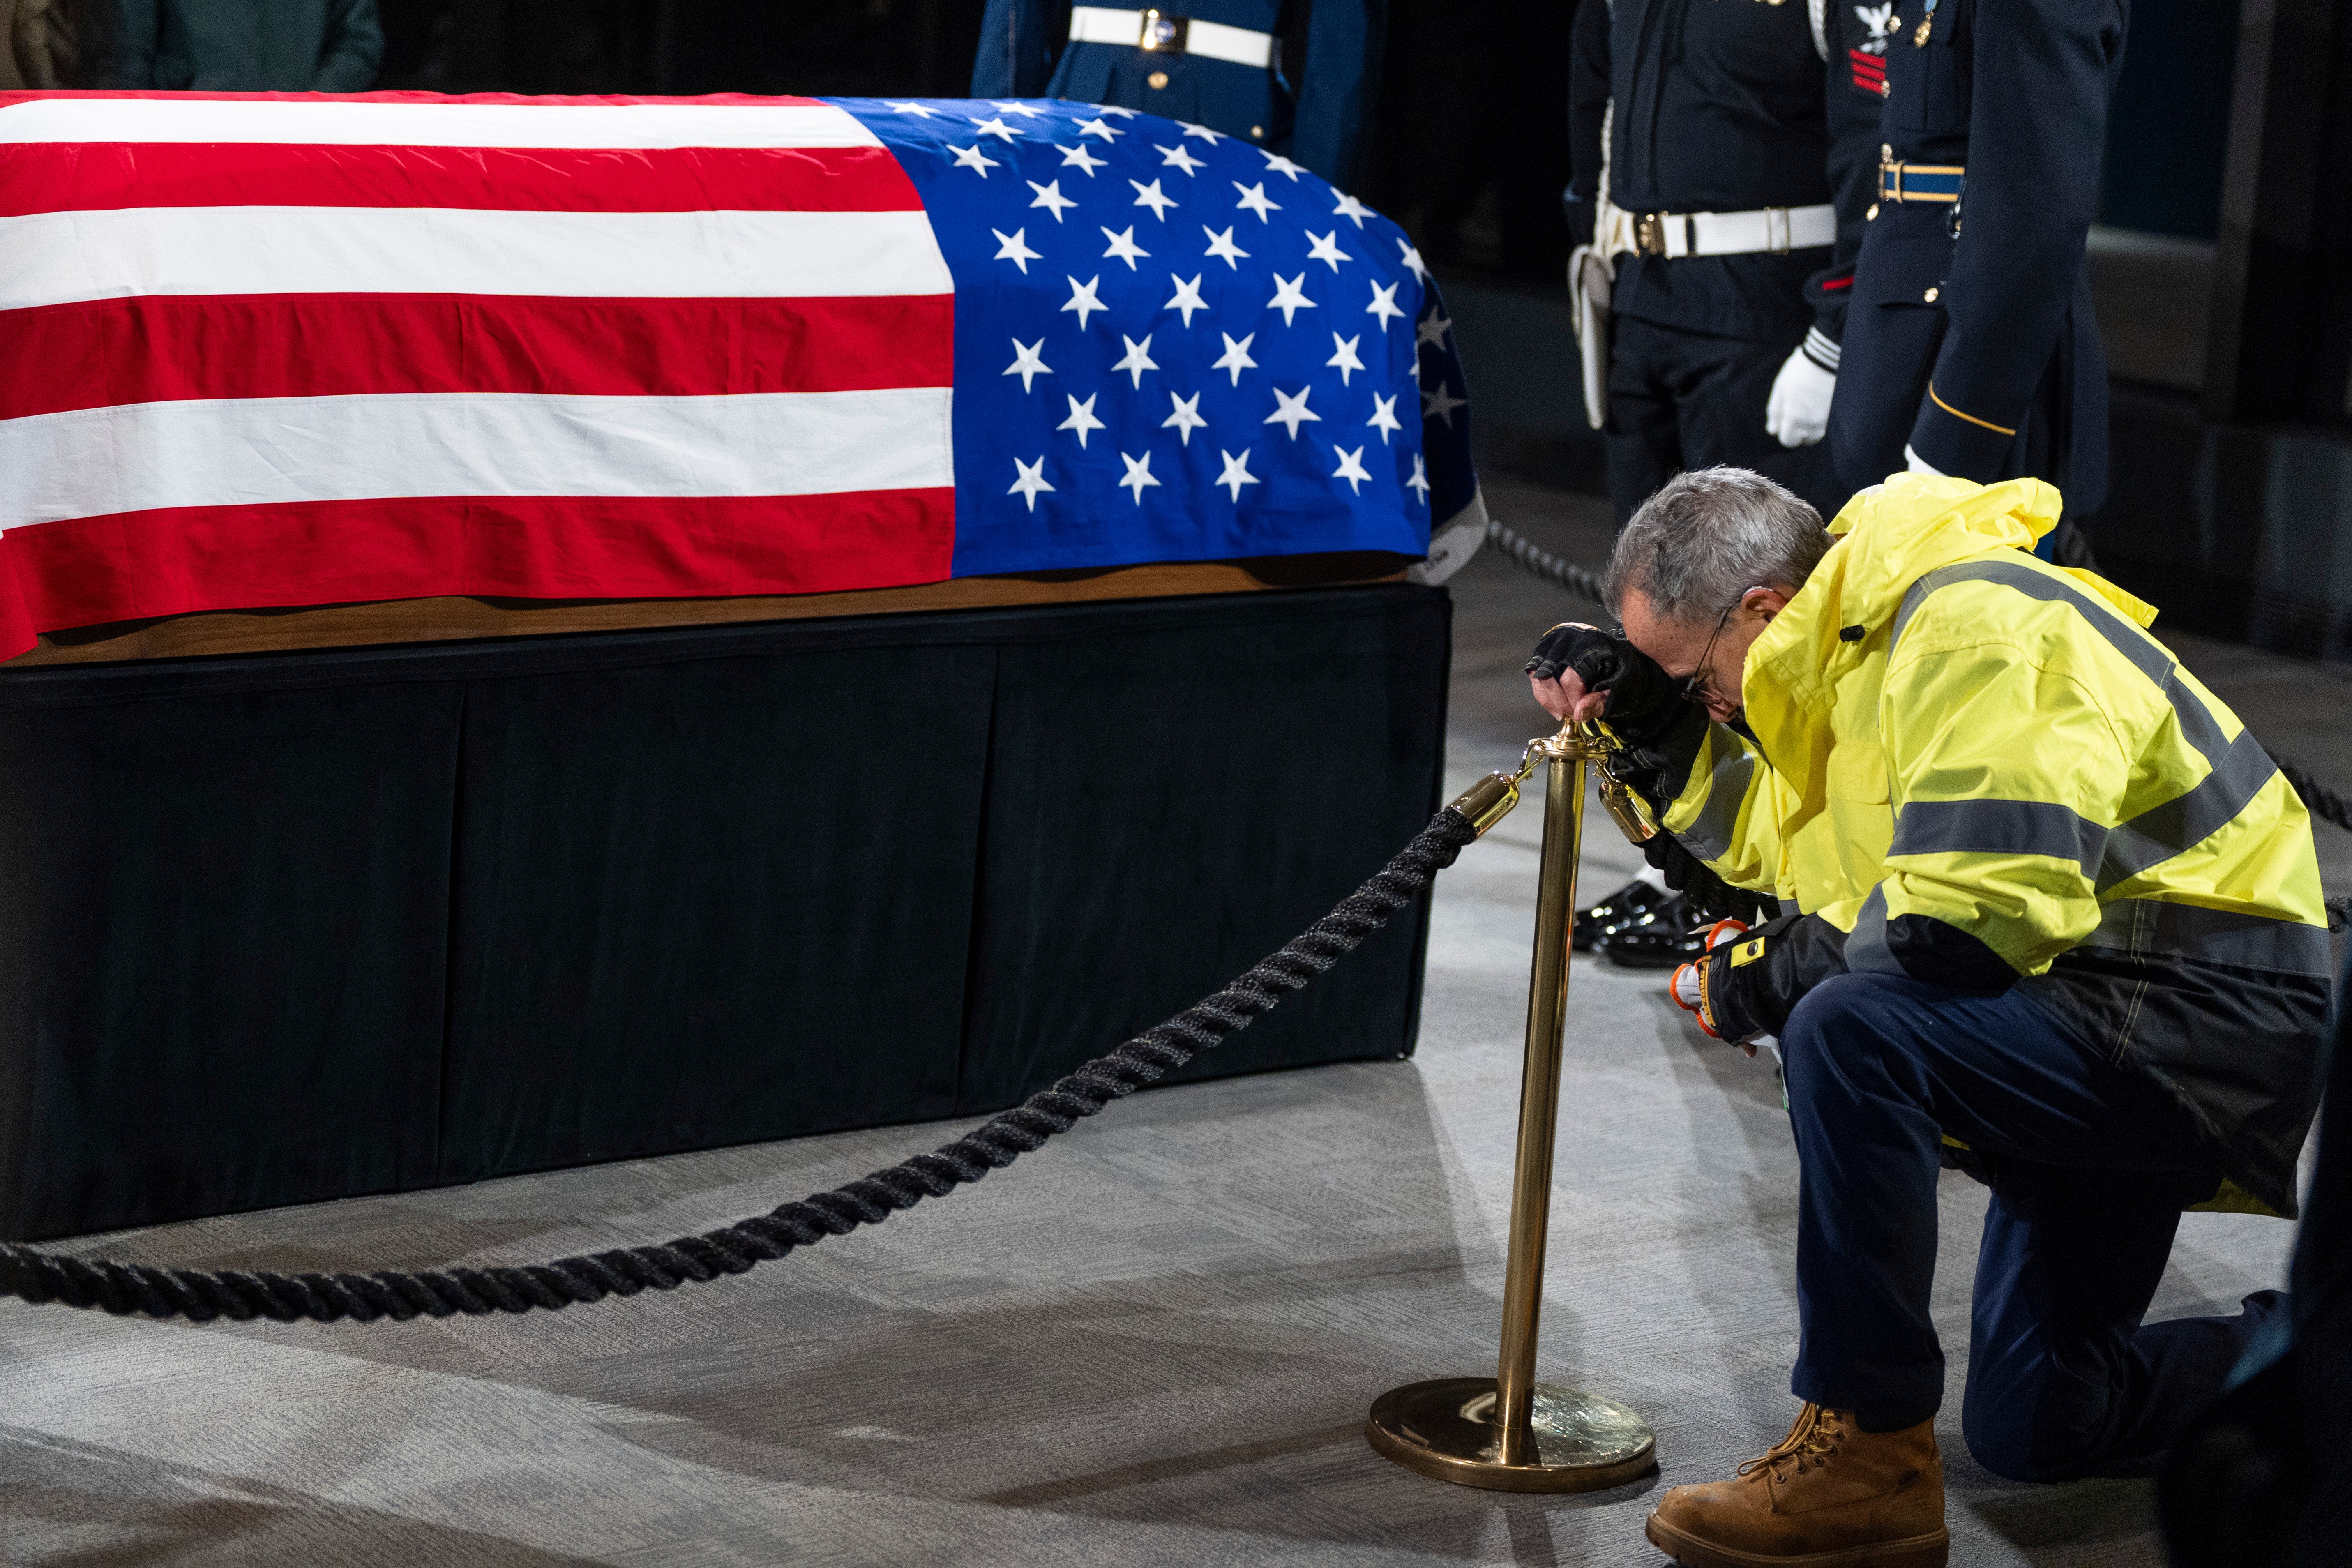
{"x":1139,"y":281}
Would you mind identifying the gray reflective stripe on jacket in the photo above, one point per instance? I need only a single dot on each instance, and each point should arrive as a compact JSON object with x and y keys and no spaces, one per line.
{"x":1729,"y":779}
{"x":2156,"y":929}
{"x":2241,"y":768}
{"x":2146,"y":927}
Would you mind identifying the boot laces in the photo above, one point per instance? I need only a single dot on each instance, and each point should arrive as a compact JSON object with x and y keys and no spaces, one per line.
{"x":1812,"y":1440}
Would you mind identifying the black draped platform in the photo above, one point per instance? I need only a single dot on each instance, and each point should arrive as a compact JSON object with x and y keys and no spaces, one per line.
{"x":281,"y":927}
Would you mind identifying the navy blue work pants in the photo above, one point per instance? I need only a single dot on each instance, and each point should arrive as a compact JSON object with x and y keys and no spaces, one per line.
{"x":2091,"y":1165}
{"x":1681,"y":400}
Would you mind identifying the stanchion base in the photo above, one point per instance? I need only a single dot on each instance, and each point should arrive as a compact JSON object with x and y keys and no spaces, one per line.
{"x":1446,"y":1428}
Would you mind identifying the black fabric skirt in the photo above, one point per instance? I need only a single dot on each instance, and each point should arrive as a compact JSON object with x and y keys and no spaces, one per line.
{"x":283,"y":928}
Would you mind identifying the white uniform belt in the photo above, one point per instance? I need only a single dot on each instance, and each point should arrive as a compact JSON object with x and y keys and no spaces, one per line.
{"x":1722,"y":233}
{"x":1159,"y":32}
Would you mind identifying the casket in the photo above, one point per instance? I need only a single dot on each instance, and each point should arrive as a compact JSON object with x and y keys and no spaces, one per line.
{"x":548,"y":630}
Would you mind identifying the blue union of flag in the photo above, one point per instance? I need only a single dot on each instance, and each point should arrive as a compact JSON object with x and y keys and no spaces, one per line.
{"x":1171,"y":344}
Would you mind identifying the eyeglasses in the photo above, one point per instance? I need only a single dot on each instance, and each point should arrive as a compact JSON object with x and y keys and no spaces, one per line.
{"x":1696,"y":689}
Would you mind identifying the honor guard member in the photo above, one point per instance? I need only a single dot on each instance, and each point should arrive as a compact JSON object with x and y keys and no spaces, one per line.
{"x":1219,"y":67}
{"x":1701,"y":149}
{"x":1702,"y":208}
{"x":1970,"y":347}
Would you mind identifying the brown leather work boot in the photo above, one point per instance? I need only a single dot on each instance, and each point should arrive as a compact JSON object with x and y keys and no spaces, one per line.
{"x":1829,"y":1495}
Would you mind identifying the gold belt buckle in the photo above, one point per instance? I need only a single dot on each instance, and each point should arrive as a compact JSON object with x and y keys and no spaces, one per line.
{"x":1163,"y":34}
{"x":1647,"y":240}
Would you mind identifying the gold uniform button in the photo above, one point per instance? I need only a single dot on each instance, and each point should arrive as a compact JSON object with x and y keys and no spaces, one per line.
{"x":1930,"y":294}
{"x":1158,"y":78}
{"x":1872,"y":215}
{"x":1257,"y":133}
{"x":1886,"y":90}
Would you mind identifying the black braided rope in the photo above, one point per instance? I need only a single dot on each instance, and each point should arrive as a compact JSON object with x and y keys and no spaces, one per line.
{"x":1538,"y":562}
{"x":2323,"y":803}
{"x":2328,"y":806}
{"x":124,"y":1289}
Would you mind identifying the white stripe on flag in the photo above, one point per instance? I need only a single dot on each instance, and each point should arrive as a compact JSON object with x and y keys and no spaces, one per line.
{"x":433,"y":124}
{"x":241,"y":451}
{"x":50,"y":259}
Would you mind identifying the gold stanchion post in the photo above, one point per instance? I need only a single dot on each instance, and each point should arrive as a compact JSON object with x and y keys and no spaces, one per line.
{"x":1509,"y":1432}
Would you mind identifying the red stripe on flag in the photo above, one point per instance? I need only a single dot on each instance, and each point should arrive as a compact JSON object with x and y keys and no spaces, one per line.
{"x":91,"y":571}
{"x":160,"y":348}
{"x":59,"y":176}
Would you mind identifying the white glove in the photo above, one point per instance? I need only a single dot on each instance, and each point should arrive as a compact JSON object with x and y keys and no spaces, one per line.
{"x":1798,"y":412}
{"x":1919,"y":465}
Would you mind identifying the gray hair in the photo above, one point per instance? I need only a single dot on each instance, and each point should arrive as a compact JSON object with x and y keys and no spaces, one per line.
{"x":1707,"y":537}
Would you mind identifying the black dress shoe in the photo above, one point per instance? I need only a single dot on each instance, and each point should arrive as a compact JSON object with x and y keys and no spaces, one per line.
{"x":1629,"y":906}
{"x":1671,"y":935}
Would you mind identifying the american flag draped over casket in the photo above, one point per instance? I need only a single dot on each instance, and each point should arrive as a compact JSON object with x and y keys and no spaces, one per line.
{"x":293,"y":349}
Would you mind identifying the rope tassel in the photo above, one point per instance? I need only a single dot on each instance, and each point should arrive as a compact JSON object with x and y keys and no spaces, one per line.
{"x":128,"y":1290}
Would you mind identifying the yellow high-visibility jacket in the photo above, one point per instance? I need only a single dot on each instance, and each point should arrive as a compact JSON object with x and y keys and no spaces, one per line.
{"x":1955,"y":752}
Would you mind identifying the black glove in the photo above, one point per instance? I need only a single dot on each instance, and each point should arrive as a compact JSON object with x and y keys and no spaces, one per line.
{"x":1644,"y":701}
{"x":1683,"y":871}
{"x":1715,"y":899}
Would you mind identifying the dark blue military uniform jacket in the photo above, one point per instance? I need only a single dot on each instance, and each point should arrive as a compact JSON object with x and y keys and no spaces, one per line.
{"x":1023,"y":54}
{"x":1719,"y":109}
{"x":1969,"y":334}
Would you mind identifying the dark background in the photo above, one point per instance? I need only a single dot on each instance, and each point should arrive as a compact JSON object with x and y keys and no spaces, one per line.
{"x":1468,"y":146}
{"x":2223,"y":265}
{"x":1472,"y":142}
{"x":281,"y":927}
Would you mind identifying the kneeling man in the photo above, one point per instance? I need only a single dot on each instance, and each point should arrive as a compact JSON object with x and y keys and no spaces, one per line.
{"x":2061,"y":926}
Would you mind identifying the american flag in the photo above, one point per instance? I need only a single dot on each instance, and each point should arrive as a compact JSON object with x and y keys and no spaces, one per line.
{"x":286,"y":350}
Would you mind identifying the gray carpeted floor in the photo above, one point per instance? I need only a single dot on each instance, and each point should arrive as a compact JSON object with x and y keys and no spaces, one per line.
{"x":1152,"y":1343}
